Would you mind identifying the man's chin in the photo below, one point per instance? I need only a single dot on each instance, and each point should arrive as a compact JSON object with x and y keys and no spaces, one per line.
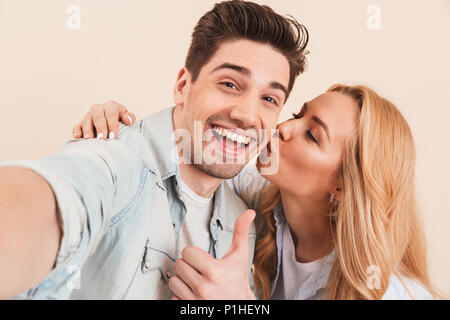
{"x":221,"y":171}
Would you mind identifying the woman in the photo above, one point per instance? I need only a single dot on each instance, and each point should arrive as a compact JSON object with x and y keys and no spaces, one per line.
{"x":339,"y":220}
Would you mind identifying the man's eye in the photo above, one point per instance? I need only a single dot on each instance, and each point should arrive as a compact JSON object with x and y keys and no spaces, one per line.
{"x":229,"y":85}
{"x":271,"y":100}
{"x":309,"y":134}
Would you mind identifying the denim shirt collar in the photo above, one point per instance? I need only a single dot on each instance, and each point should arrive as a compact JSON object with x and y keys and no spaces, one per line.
{"x":159,"y":132}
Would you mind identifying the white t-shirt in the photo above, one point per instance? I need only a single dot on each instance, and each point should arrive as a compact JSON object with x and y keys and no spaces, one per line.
{"x":295,"y":274}
{"x":195,"y":229}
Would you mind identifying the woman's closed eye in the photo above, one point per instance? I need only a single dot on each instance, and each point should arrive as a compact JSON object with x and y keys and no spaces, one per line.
{"x":308,"y":132}
{"x":310,"y":135}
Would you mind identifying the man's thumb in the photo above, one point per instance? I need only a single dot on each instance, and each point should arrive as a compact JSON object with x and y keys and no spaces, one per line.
{"x":241,"y":229}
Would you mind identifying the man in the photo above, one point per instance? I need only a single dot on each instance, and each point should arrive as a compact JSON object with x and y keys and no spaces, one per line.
{"x":107,"y":219}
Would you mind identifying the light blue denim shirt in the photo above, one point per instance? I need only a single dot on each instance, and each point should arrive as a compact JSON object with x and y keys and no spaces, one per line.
{"x":249,"y":184}
{"x":122,"y":210}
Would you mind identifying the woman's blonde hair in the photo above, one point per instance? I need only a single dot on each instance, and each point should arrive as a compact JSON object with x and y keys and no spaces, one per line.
{"x":376,"y":223}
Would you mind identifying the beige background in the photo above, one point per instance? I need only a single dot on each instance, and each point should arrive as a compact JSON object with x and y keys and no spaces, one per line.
{"x":131,"y":50}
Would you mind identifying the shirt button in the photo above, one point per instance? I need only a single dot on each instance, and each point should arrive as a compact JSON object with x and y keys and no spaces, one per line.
{"x":147,"y":264}
{"x":173,"y":224}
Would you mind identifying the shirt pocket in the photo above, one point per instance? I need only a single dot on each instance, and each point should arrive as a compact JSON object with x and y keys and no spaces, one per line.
{"x":151,"y":279}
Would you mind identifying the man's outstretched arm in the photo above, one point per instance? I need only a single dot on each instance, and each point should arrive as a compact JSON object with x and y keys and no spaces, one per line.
{"x":30,"y":233}
{"x":84,"y":185}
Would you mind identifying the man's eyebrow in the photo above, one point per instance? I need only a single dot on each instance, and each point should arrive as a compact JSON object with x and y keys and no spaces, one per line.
{"x":234,"y":67}
{"x":279,"y":86}
{"x":319,"y":121}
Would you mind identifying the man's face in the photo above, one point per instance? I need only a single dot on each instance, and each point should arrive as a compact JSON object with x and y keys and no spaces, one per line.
{"x":240,"y":91}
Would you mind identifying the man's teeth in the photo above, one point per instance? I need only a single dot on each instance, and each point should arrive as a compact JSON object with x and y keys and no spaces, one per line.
{"x":232,"y":135}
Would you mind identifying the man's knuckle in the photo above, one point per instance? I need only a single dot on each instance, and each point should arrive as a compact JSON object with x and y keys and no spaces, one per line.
{"x":186,"y":251}
{"x":215,"y":274}
{"x":204,"y":290}
{"x":176,"y":264}
{"x":97,"y":117}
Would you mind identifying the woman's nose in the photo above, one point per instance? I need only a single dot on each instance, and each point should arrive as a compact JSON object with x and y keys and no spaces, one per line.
{"x":286,"y":130}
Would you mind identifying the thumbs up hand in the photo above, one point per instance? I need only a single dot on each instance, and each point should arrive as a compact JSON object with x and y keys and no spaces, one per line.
{"x":201,"y":277}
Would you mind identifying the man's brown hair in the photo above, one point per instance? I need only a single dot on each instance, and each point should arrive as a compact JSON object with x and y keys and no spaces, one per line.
{"x":236,"y":19}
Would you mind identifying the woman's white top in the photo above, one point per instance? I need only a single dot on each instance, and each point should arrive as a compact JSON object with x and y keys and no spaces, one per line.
{"x":294,"y":274}
{"x":307,"y":281}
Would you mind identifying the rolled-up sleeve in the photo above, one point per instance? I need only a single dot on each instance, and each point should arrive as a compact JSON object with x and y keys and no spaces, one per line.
{"x":92,"y":182}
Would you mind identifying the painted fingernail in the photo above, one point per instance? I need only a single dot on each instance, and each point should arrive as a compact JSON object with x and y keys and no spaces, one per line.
{"x":76,"y":134}
{"x":111,"y":135}
{"x":130,"y":119}
{"x":87,"y":136}
{"x":100,"y":136}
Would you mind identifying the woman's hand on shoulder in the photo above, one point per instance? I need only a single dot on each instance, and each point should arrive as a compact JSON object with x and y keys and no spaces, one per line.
{"x":102,"y":121}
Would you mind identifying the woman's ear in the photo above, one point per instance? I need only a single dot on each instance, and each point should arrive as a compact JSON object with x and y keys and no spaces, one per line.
{"x":180,"y":88}
{"x":338,"y":194}
{"x":335,"y":194}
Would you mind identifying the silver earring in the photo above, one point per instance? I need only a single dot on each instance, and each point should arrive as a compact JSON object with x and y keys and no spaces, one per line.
{"x":332,"y":196}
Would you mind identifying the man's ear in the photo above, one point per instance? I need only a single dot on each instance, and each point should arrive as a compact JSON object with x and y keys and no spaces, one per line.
{"x":180,"y":89}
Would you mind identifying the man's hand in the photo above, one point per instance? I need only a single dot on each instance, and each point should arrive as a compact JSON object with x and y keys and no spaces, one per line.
{"x":102,"y":121}
{"x":200,"y":276}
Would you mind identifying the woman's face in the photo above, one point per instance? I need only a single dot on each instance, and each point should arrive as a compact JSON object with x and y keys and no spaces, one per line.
{"x":311,"y":145}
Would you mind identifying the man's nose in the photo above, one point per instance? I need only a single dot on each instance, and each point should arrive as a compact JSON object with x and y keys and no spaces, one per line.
{"x":246,"y":112}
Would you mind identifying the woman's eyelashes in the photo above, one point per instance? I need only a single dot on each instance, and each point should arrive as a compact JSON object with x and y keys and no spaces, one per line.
{"x":297,"y":115}
{"x":308,"y":132}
